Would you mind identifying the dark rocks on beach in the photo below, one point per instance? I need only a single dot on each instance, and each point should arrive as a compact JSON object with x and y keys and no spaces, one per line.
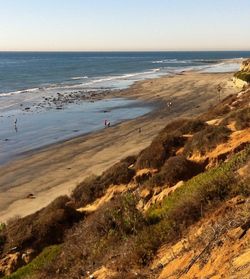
{"x":30,"y":196}
{"x":59,"y":101}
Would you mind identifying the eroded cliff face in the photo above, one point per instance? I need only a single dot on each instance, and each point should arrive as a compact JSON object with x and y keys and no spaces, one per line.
{"x":242,"y":78}
{"x":245,"y":67}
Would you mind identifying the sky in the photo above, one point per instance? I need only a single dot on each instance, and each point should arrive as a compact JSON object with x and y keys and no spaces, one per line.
{"x":124,"y":25}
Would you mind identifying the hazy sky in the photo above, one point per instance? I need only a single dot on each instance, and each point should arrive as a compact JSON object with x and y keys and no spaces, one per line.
{"x":124,"y":24}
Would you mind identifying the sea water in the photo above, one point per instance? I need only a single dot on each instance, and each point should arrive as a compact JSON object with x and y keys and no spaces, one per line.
{"x":27,"y":77}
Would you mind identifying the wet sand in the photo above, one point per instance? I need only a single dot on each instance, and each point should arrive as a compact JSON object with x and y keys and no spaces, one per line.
{"x":57,"y":169}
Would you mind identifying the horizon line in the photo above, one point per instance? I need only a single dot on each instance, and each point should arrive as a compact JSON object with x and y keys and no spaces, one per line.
{"x":202,"y":50}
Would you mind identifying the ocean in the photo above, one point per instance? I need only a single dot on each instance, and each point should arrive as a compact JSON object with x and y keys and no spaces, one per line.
{"x":22,"y":72}
{"x":29,"y":78}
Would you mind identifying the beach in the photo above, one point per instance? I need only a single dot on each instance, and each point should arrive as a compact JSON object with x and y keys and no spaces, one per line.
{"x":56,"y":169}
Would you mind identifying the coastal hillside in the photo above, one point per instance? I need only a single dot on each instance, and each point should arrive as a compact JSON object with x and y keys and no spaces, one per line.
{"x":178,"y":209}
{"x":244,"y":73}
{"x":245,"y":67}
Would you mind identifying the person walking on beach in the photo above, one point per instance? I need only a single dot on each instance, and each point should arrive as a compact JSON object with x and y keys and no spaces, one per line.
{"x":169,"y":104}
{"x":107,"y":123}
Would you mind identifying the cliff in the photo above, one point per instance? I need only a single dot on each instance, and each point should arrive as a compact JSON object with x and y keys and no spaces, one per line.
{"x":179,"y":209}
{"x":242,"y":78}
{"x":245,"y":67}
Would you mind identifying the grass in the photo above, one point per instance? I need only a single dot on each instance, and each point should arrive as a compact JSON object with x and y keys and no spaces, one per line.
{"x":41,"y":261}
{"x":215,"y":183}
{"x":188,"y":204}
{"x":99,"y":237}
{"x":119,"y":235}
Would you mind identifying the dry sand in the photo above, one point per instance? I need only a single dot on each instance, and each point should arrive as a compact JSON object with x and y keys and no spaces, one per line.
{"x":57,"y":169}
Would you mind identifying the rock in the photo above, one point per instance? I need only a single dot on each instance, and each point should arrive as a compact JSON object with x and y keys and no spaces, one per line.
{"x":235,"y":233}
{"x":28,"y":255}
{"x":144,"y":174}
{"x":30,"y":196}
{"x":242,"y":260}
{"x":157,"y":190}
{"x":145,"y":194}
{"x":237,"y":200}
{"x":10,"y":263}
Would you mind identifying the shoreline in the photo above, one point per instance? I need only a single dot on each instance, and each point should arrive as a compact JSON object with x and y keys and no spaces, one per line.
{"x":58,"y":168}
{"x":40,"y":130}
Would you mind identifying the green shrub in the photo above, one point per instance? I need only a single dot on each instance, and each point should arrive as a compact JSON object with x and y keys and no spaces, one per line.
{"x":242,"y":188}
{"x":167,"y":142}
{"x":175,"y":169}
{"x":193,"y":126}
{"x":182,"y":126}
{"x":187,"y":204}
{"x":207,"y":139}
{"x":99,"y":238}
{"x":41,"y":261}
{"x":2,"y":227}
{"x":220,"y":109}
{"x":44,"y":227}
{"x":241,"y":118}
{"x":162,"y":147}
{"x":119,"y":235}
{"x":245,"y":76}
{"x":2,"y":236}
{"x":122,"y":216}
{"x":94,"y":187}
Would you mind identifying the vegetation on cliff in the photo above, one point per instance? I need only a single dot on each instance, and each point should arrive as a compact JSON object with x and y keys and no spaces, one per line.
{"x":244,"y":73}
{"x":176,"y":183}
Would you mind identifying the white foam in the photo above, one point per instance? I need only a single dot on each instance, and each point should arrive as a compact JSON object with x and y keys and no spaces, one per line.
{"x":76,"y":78}
{"x":18,"y":92}
{"x":224,"y":67}
{"x":120,"y":77}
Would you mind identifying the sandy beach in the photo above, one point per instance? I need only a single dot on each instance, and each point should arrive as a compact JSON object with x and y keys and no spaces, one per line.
{"x":57,"y":169}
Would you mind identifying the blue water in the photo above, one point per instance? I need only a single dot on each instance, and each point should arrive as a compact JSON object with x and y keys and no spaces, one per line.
{"x":27,"y":78}
{"x":28,"y":70}
{"x":34,"y":130}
